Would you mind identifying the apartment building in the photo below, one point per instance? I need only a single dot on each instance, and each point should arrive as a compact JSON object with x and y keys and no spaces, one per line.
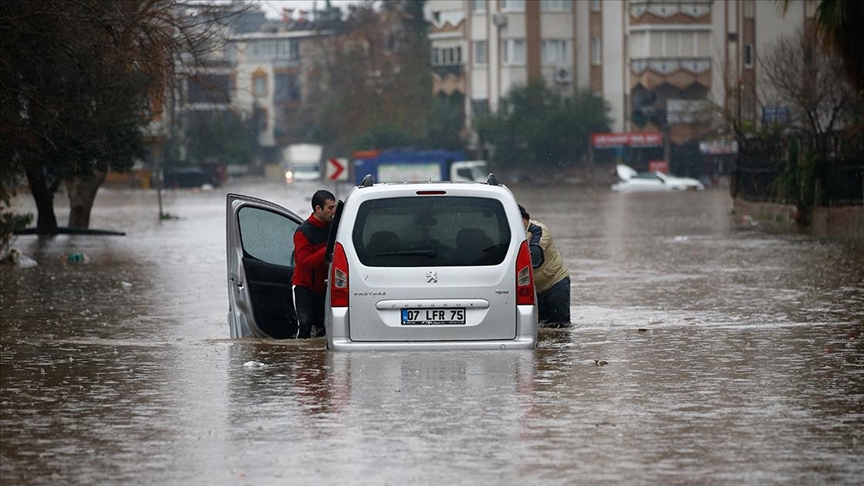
{"x":662,"y":65}
{"x":264,"y":70}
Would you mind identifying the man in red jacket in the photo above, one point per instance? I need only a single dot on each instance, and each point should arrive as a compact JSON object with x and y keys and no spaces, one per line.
{"x":310,"y":269}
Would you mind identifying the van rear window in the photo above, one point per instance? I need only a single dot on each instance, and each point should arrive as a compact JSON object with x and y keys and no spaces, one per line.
{"x":431,"y":231}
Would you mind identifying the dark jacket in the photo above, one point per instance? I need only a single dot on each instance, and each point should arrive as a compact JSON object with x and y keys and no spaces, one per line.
{"x":310,"y":244}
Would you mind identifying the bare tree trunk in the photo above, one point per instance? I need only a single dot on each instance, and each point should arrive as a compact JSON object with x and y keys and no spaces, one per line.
{"x":43,"y":195}
{"x":82,"y":192}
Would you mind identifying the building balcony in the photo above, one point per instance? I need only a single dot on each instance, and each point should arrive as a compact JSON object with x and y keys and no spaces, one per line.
{"x":447,"y":79}
{"x":686,"y":12}
{"x":681,"y":73}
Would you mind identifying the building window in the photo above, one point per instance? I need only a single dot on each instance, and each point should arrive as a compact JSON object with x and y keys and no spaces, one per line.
{"x":504,"y":105}
{"x":555,"y":52}
{"x":480,"y":107}
{"x":265,"y":115}
{"x":480,"y":55}
{"x":286,"y":87}
{"x":210,"y":88}
{"x":478,"y":5}
{"x":749,"y":9}
{"x":595,"y":6}
{"x":259,"y":84}
{"x":513,"y":5}
{"x":513,"y":51}
{"x":596,"y":51}
{"x":446,"y":56}
{"x":270,"y":50}
{"x":703,"y":44}
{"x":748,"y":55}
{"x":556,"y":5}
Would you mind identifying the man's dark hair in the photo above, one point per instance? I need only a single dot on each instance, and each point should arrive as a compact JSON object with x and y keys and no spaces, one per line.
{"x":320,"y":197}
{"x":524,"y":213}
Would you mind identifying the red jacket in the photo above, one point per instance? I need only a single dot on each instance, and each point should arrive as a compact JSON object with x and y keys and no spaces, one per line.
{"x":310,"y":244}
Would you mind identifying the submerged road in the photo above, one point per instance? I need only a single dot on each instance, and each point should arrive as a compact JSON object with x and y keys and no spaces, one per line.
{"x":704,"y":350}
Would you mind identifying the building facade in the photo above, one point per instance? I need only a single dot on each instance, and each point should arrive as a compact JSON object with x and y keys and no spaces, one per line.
{"x":262,"y":71}
{"x":662,"y":65}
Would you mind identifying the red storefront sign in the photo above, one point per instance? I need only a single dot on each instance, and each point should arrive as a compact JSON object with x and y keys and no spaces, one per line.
{"x":632,"y":139}
{"x":658,"y":166}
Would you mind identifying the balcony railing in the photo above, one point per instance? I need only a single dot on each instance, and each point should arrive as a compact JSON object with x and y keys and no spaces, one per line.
{"x":665,"y":66}
{"x":443,"y":70}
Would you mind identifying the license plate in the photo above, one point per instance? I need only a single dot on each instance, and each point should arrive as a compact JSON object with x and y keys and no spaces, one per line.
{"x":432,"y":317}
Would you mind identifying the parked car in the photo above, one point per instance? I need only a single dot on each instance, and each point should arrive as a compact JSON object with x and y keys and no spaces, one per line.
{"x":197,"y":176}
{"x":633,"y":181}
{"x":413,"y":266}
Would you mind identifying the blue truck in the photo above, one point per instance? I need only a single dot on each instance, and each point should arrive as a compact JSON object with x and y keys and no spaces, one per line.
{"x":417,"y":165}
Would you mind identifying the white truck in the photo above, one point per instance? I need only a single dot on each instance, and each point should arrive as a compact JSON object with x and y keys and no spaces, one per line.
{"x":302,"y":162}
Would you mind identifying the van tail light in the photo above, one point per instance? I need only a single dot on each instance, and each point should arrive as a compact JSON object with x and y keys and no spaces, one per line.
{"x":524,"y":277}
{"x":339,"y":278}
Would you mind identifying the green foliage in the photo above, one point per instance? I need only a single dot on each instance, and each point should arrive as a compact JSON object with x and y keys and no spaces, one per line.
{"x":445,"y":123}
{"x":540,"y":127}
{"x":9,"y":224}
{"x":77,"y":82}
{"x":796,"y":184}
{"x":74,"y":104}
{"x":221,"y":136}
{"x":377,"y":79}
{"x":382,"y":136}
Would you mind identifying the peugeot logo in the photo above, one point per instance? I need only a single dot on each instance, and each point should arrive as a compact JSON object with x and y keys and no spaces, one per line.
{"x":431,"y":276}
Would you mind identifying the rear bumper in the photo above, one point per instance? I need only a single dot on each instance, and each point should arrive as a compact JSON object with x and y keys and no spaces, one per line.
{"x":337,"y":324}
{"x":525,"y":342}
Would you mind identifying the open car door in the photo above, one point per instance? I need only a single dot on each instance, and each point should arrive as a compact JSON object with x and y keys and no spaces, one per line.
{"x":260,"y":246}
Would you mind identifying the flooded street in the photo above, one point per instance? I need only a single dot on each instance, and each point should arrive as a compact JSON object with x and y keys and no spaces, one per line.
{"x":734,"y":356}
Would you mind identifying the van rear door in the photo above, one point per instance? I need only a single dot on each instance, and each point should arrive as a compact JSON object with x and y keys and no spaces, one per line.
{"x":432,"y":268}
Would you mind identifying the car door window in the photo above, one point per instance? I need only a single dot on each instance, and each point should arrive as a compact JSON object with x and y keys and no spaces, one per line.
{"x":267,"y":236}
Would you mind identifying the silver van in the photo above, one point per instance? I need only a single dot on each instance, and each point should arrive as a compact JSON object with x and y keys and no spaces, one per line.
{"x":438,"y":265}
{"x":429,"y":265}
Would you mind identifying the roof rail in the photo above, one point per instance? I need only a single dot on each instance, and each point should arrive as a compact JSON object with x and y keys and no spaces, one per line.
{"x":367,"y":181}
{"x":492,"y":180}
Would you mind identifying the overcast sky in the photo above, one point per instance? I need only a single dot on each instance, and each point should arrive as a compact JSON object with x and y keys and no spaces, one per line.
{"x":273,"y":8}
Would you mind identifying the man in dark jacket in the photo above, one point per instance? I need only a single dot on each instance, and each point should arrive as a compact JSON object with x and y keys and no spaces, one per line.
{"x":310,"y":269}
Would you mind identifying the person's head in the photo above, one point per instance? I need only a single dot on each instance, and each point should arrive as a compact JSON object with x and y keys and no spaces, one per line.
{"x":323,"y":205}
{"x":526,"y":218}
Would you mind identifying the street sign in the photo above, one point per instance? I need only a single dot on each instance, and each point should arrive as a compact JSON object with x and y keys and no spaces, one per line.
{"x":337,"y":169}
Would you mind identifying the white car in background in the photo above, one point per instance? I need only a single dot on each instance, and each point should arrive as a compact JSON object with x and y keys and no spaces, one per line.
{"x":632,"y":181}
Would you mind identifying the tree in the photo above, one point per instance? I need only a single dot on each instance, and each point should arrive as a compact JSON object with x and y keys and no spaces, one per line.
{"x":78,"y":81}
{"x":221,"y":135}
{"x":809,"y":81}
{"x":815,"y":122}
{"x":377,"y":78}
{"x":540,"y":127}
{"x":445,"y":122}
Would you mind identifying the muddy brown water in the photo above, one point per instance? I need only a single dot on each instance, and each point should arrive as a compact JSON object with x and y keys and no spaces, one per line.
{"x":733,"y":356}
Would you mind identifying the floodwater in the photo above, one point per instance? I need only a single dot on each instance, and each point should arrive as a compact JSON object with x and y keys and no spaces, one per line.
{"x":733,"y":356}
